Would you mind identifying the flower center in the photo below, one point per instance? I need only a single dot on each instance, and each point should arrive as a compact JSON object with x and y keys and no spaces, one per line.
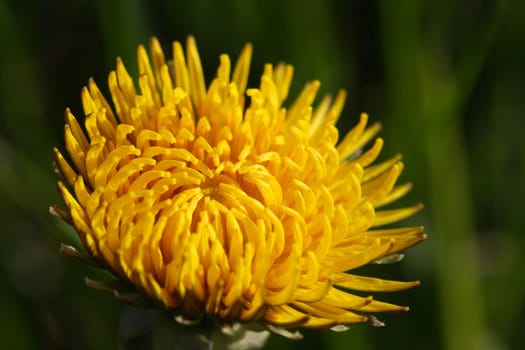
{"x":210,"y":187}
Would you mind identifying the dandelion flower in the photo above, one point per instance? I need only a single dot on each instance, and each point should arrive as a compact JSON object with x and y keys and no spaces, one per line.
{"x":219,"y":202}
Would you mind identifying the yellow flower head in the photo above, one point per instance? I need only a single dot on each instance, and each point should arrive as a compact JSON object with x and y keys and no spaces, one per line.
{"x":216,"y":201}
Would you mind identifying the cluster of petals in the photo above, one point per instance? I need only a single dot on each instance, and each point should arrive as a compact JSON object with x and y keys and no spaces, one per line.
{"x":217,"y":201}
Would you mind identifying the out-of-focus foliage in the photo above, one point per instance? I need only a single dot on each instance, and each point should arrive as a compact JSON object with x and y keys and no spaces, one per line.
{"x":445,"y":78}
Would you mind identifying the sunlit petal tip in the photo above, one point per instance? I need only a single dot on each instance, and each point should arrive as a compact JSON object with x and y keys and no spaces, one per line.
{"x":72,"y":252}
{"x":67,"y":114}
{"x":340,"y":328}
{"x":227,"y":329}
{"x":416,"y":283}
{"x":245,"y":57}
{"x":141,"y":49}
{"x":55,"y":167}
{"x":340,"y":99}
{"x":154,"y":41}
{"x":59,"y":212}
{"x":373,"y":321}
{"x":180,"y":319}
{"x":242,"y":67}
{"x":296,"y":335}
{"x":389,"y":259}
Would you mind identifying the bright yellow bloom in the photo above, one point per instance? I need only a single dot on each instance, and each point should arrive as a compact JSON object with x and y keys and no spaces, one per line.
{"x":219,"y":202}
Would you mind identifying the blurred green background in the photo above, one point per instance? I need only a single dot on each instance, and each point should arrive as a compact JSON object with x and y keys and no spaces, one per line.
{"x":446,"y":79}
